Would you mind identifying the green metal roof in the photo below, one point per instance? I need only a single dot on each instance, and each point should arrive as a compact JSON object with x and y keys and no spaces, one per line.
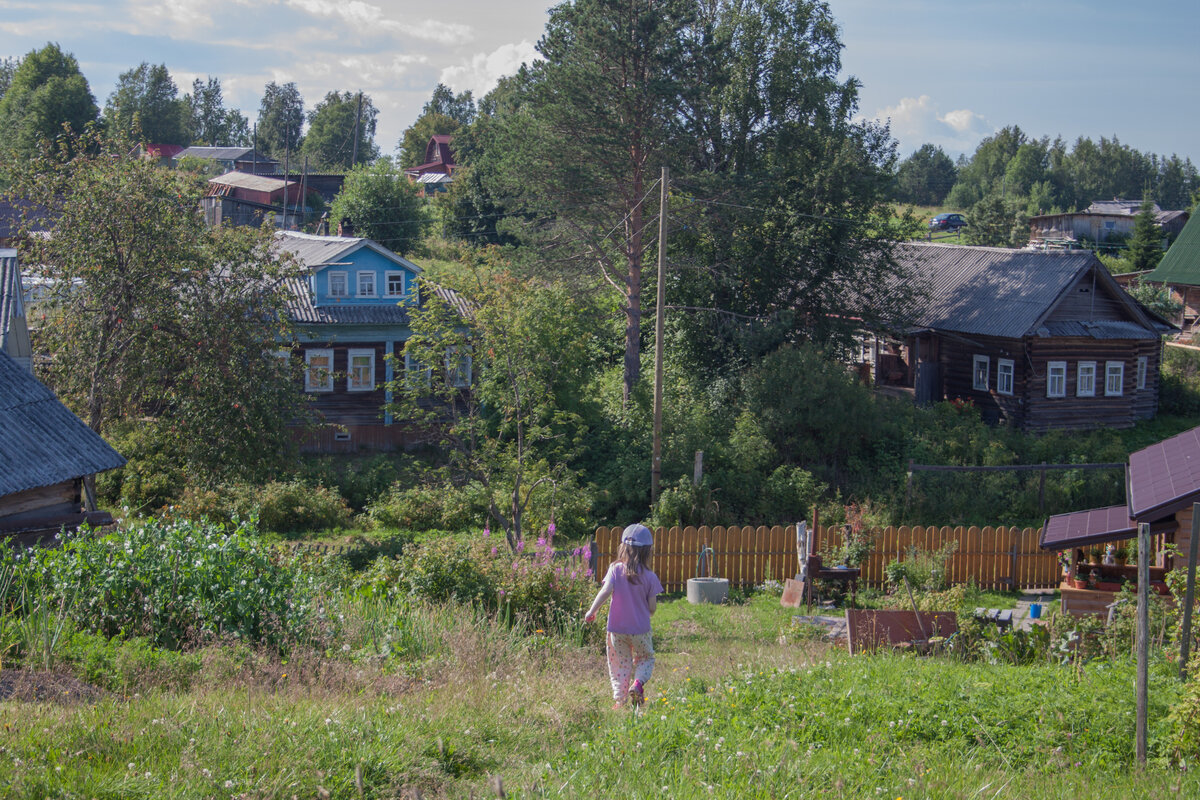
{"x":1181,"y":263}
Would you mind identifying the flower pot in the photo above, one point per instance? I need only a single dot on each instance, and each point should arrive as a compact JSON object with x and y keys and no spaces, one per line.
{"x":1108,"y":586}
{"x":1079,"y":583}
{"x":707,"y":590}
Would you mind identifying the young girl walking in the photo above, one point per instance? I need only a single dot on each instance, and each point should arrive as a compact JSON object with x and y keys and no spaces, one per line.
{"x":634,"y":590}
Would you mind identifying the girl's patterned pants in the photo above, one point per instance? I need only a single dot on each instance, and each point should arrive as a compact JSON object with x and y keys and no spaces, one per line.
{"x":630,"y":658}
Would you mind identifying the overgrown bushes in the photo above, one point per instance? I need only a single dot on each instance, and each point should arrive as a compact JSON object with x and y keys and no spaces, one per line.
{"x":175,"y":583}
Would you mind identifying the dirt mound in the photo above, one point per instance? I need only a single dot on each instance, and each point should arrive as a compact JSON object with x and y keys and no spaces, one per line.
{"x":46,"y":687}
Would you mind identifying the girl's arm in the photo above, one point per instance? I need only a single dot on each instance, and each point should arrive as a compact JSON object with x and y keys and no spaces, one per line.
{"x":652,"y":605}
{"x":605,"y":592}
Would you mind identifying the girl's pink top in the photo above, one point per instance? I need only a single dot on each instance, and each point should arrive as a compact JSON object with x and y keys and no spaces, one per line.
{"x":630,"y":608}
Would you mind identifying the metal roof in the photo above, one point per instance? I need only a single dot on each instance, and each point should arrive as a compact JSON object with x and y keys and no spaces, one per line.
{"x":223,"y":154}
{"x":300,"y":308}
{"x":1099,"y":329}
{"x":41,"y":442}
{"x":1181,"y":263}
{"x":1080,"y":528}
{"x":988,"y":291}
{"x":316,"y":252}
{"x":245,"y":180}
{"x":1118,"y":207}
{"x":1164,"y":477}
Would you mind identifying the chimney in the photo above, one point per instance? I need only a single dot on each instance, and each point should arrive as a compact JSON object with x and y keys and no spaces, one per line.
{"x":346,"y":227}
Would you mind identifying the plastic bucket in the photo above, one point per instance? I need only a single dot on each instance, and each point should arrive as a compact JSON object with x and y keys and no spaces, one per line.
{"x":1035,"y":610}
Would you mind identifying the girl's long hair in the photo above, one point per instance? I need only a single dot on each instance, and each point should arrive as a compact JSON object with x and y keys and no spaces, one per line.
{"x":635,"y":558}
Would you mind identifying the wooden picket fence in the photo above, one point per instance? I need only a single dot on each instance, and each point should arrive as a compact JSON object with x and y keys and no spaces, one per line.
{"x":994,"y":557}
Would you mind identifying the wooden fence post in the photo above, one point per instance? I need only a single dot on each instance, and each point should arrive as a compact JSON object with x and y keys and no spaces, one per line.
{"x":1143,"y":638}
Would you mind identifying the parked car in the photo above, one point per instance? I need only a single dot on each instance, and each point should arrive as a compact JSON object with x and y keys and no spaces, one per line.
{"x":947,"y":222}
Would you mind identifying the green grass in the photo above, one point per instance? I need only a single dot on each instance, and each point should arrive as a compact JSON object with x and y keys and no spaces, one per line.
{"x":734,"y":711}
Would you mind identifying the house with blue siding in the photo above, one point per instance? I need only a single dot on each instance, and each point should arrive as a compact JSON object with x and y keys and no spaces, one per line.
{"x":351,"y":309}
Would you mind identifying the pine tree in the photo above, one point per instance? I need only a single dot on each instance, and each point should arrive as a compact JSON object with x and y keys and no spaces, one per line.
{"x":1145,"y":247}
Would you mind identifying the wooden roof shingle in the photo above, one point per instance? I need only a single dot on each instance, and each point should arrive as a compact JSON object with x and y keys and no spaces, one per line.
{"x":41,"y":442}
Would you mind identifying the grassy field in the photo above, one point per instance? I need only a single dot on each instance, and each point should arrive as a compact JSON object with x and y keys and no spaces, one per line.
{"x":742,"y":704}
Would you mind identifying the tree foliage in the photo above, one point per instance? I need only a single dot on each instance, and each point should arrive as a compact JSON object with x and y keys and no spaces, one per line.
{"x":444,"y":113}
{"x":156,"y":318}
{"x":280,"y":120}
{"x":1145,"y":246}
{"x":925,"y":177}
{"x":46,"y":92}
{"x":997,"y":222}
{"x":527,"y":352}
{"x":146,"y":106}
{"x":341,"y":131}
{"x":383,"y":204}
{"x":209,"y":122}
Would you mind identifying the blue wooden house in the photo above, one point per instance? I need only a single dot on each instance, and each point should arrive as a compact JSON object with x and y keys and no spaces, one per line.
{"x":351,"y":310}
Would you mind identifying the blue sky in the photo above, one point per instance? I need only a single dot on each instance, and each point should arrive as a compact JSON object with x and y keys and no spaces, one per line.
{"x":943,"y":72}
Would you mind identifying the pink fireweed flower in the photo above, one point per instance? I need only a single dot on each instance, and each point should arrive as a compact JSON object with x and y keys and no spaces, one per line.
{"x":550,"y":529}
{"x":494,"y":551}
{"x":521,"y":546}
{"x":541,"y":541}
{"x":487,"y":531}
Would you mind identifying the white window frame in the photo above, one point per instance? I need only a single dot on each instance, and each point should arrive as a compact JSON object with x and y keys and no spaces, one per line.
{"x":1114,"y":369}
{"x":352,"y":382}
{"x":412,"y":368}
{"x":1143,"y":367}
{"x":345,"y":284}
{"x":1088,"y":369}
{"x":454,"y":376}
{"x":387,"y":283}
{"x":977,"y":373}
{"x":1051,"y":379}
{"x":358,"y":283}
{"x":1005,"y":376}
{"x":325,"y":385}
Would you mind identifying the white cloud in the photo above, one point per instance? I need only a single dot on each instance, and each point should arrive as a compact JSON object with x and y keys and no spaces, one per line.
{"x":167,"y":16}
{"x":916,"y":121}
{"x":365,"y":18}
{"x":484,"y":70}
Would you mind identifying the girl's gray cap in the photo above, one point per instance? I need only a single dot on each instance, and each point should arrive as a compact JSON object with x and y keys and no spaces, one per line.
{"x":638,"y":534}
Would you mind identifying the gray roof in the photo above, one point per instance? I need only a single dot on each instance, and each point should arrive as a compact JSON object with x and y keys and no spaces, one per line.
{"x":315,"y":252}
{"x":1118,"y":207}
{"x":246,"y":180}
{"x":991,"y":291}
{"x":301,"y":309}
{"x":41,"y":442}
{"x":222,"y":154}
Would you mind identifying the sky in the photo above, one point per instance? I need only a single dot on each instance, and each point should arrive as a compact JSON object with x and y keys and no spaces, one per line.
{"x":945,"y":72}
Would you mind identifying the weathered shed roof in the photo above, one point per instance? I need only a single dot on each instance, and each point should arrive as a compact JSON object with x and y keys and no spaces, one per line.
{"x":41,"y":442}
{"x":1118,"y":207}
{"x":1081,"y":528}
{"x":992,"y":291}
{"x":246,"y":180}
{"x":1181,"y":263}
{"x":223,"y":154}
{"x":1164,"y":477}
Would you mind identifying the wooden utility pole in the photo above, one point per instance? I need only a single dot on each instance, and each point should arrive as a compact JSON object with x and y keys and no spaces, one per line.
{"x":1189,"y":595}
{"x":1143,"y":637}
{"x":357,"y":116}
{"x":659,"y":314}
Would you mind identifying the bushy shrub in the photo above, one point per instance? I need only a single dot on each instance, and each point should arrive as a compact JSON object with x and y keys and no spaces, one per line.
{"x":924,"y":569}
{"x":360,"y":480}
{"x":118,"y":665}
{"x":447,"y":569}
{"x":176,"y":583}
{"x":542,"y":592}
{"x":289,"y":507}
{"x":429,"y":506}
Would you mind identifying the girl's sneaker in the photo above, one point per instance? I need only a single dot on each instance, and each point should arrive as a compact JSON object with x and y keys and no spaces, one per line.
{"x":637,"y":694}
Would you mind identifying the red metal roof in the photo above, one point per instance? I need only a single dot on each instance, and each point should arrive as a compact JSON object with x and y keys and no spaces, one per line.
{"x":1164,"y":477}
{"x":1079,"y":528}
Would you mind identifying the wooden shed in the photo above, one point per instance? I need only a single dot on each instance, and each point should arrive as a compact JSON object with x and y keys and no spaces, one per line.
{"x":1162,"y":482}
{"x":1038,"y":340}
{"x":45,"y":452}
